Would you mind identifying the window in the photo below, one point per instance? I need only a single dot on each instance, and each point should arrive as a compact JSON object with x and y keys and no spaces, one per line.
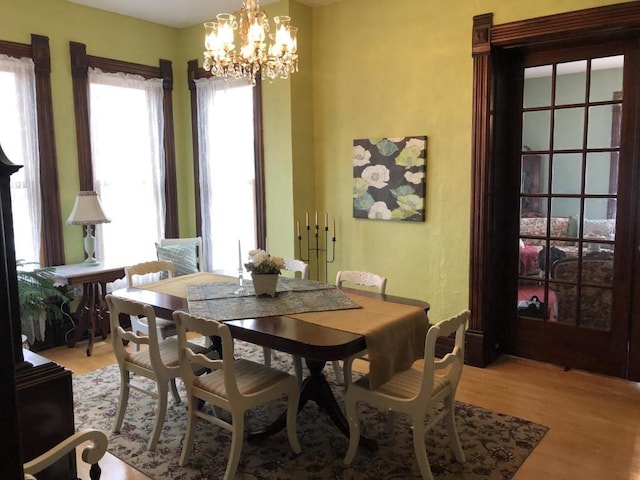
{"x":26,"y":136}
{"x":229,"y":168}
{"x":126,"y":152}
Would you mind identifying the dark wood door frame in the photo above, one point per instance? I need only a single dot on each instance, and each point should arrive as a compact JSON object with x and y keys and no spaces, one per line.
{"x":491,"y":44}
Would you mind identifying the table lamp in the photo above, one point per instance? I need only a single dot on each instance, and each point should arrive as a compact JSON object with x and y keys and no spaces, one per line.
{"x":88,"y":211}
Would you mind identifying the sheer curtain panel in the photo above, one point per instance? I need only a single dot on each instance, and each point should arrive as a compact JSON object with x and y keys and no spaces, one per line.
{"x":227,"y":170}
{"x":19,"y":140}
{"x":126,"y":121}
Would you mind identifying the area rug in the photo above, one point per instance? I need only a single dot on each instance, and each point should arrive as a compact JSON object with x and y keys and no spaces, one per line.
{"x":495,"y":445}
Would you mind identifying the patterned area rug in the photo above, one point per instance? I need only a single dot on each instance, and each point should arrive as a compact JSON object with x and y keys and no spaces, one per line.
{"x":495,"y":445}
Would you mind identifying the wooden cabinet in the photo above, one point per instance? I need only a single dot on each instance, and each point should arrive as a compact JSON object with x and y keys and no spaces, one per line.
{"x":45,"y":413}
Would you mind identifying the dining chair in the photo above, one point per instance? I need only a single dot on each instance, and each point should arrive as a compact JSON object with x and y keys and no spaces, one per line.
{"x":91,"y":453}
{"x":418,"y":393}
{"x":365,"y":279}
{"x":158,"y":362}
{"x":146,"y":272}
{"x":295,"y":266}
{"x":234,"y":384}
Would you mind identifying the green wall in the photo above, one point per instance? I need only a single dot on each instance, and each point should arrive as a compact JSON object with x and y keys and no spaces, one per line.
{"x":368,"y":68}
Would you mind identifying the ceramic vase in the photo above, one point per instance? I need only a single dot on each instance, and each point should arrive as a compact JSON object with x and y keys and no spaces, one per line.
{"x":265,"y":283}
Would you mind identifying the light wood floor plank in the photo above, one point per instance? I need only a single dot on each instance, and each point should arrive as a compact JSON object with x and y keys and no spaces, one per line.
{"x":594,"y":420}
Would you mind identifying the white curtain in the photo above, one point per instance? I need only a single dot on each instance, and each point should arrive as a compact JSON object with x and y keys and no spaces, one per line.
{"x":227,"y":171}
{"x":19,"y":140}
{"x":126,"y":124}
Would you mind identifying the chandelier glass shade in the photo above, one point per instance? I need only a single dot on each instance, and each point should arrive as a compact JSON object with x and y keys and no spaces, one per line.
{"x":239,"y":45}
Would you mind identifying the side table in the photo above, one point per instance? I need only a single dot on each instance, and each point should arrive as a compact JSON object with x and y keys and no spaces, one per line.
{"x":91,"y":314}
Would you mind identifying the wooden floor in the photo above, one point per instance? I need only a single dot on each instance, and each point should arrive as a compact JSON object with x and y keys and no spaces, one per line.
{"x":594,"y":420}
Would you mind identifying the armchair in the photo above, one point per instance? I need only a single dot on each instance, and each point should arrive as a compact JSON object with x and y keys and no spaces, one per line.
{"x":90,"y":454}
{"x":596,"y":295}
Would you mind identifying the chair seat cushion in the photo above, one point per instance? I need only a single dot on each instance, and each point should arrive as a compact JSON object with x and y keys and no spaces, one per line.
{"x":163,"y":323}
{"x":251,"y":377}
{"x":405,"y":384}
{"x":168,"y":353}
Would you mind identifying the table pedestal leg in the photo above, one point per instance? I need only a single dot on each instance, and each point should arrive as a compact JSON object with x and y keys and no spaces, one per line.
{"x":91,"y":313}
{"x":81,"y":316}
{"x":315,"y":387}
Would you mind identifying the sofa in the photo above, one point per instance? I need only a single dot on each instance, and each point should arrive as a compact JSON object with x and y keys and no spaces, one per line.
{"x":564,"y":228}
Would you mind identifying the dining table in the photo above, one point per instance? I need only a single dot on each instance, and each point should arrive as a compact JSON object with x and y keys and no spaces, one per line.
{"x":335,"y":333}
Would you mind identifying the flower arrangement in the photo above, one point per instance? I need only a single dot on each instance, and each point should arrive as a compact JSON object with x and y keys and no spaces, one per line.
{"x":261,"y":262}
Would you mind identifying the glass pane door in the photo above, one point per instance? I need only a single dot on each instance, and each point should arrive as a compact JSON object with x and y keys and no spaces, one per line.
{"x":568,"y":191}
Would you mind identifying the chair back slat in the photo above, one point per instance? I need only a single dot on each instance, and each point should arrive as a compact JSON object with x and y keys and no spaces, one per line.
{"x":297,"y":266}
{"x":453,"y":360}
{"x":147,"y":268}
{"x":120,"y":306}
{"x":365,"y":279}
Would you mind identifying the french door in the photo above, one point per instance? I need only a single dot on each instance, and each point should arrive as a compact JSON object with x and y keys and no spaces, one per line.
{"x":573,"y":161}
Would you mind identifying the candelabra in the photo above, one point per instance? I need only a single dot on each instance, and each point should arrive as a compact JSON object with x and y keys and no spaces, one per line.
{"x":317,"y":246}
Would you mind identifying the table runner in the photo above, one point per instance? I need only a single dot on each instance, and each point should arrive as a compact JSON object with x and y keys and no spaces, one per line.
{"x":394,"y":332}
{"x":218,"y":300}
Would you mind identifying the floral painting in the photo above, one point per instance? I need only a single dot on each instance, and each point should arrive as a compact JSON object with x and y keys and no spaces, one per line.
{"x":389,"y":178}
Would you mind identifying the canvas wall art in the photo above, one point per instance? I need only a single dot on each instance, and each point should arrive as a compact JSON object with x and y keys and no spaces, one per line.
{"x":389,"y":178}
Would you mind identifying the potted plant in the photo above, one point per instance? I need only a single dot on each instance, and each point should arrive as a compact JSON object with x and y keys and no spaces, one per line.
{"x":264,"y":272}
{"x":39,"y":299}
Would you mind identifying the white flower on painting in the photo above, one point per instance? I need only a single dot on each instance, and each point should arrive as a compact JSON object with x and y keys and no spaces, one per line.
{"x":379,"y":211}
{"x":376,"y":175}
{"x":361,"y":156}
{"x":414,"y":177}
{"x":396,"y":139}
{"x":416,"y":142}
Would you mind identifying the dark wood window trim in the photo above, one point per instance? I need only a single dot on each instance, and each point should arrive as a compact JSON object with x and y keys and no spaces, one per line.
{"x":52,"y":247}
{"x":80,"y":63}
{"x":194,"y":72}
{"x":489,"y":42}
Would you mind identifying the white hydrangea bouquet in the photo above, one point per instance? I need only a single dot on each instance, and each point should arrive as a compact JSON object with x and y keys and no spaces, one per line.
{"x":261,"y":262}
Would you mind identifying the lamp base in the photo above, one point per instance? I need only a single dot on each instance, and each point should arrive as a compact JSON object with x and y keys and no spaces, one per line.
{"x":90,"y":247}
{"x":91,"y":262}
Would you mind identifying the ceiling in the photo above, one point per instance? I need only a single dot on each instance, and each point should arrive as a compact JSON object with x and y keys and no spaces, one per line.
{"x":177,"y":13}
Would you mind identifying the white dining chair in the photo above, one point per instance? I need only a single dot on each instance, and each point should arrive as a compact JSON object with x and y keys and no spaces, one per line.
{"x":234,"y":384}
{"x":158,"y":362}
{"x":422,"y":394}
{"x":359,"y":278}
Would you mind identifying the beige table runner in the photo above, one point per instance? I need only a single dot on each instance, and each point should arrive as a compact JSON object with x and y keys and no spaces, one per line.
{"x":394,"y":332}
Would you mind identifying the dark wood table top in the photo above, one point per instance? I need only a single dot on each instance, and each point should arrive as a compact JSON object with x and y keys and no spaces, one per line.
{"x":281,"y":333}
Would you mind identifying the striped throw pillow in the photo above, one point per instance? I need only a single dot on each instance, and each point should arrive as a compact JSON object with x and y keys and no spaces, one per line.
{"x":183,"y":257}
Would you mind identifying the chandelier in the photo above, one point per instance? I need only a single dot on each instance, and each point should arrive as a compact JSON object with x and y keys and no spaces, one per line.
{"x":273,"y":55}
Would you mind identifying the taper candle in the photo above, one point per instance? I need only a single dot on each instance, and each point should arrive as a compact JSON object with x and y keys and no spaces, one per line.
{"x":316,"y":219}
{"x":306,"y":216}
{"x":334,"y":228}
{"x":239,"y":256}
{"x":326,"y":220}
{"x":298,"y":228}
